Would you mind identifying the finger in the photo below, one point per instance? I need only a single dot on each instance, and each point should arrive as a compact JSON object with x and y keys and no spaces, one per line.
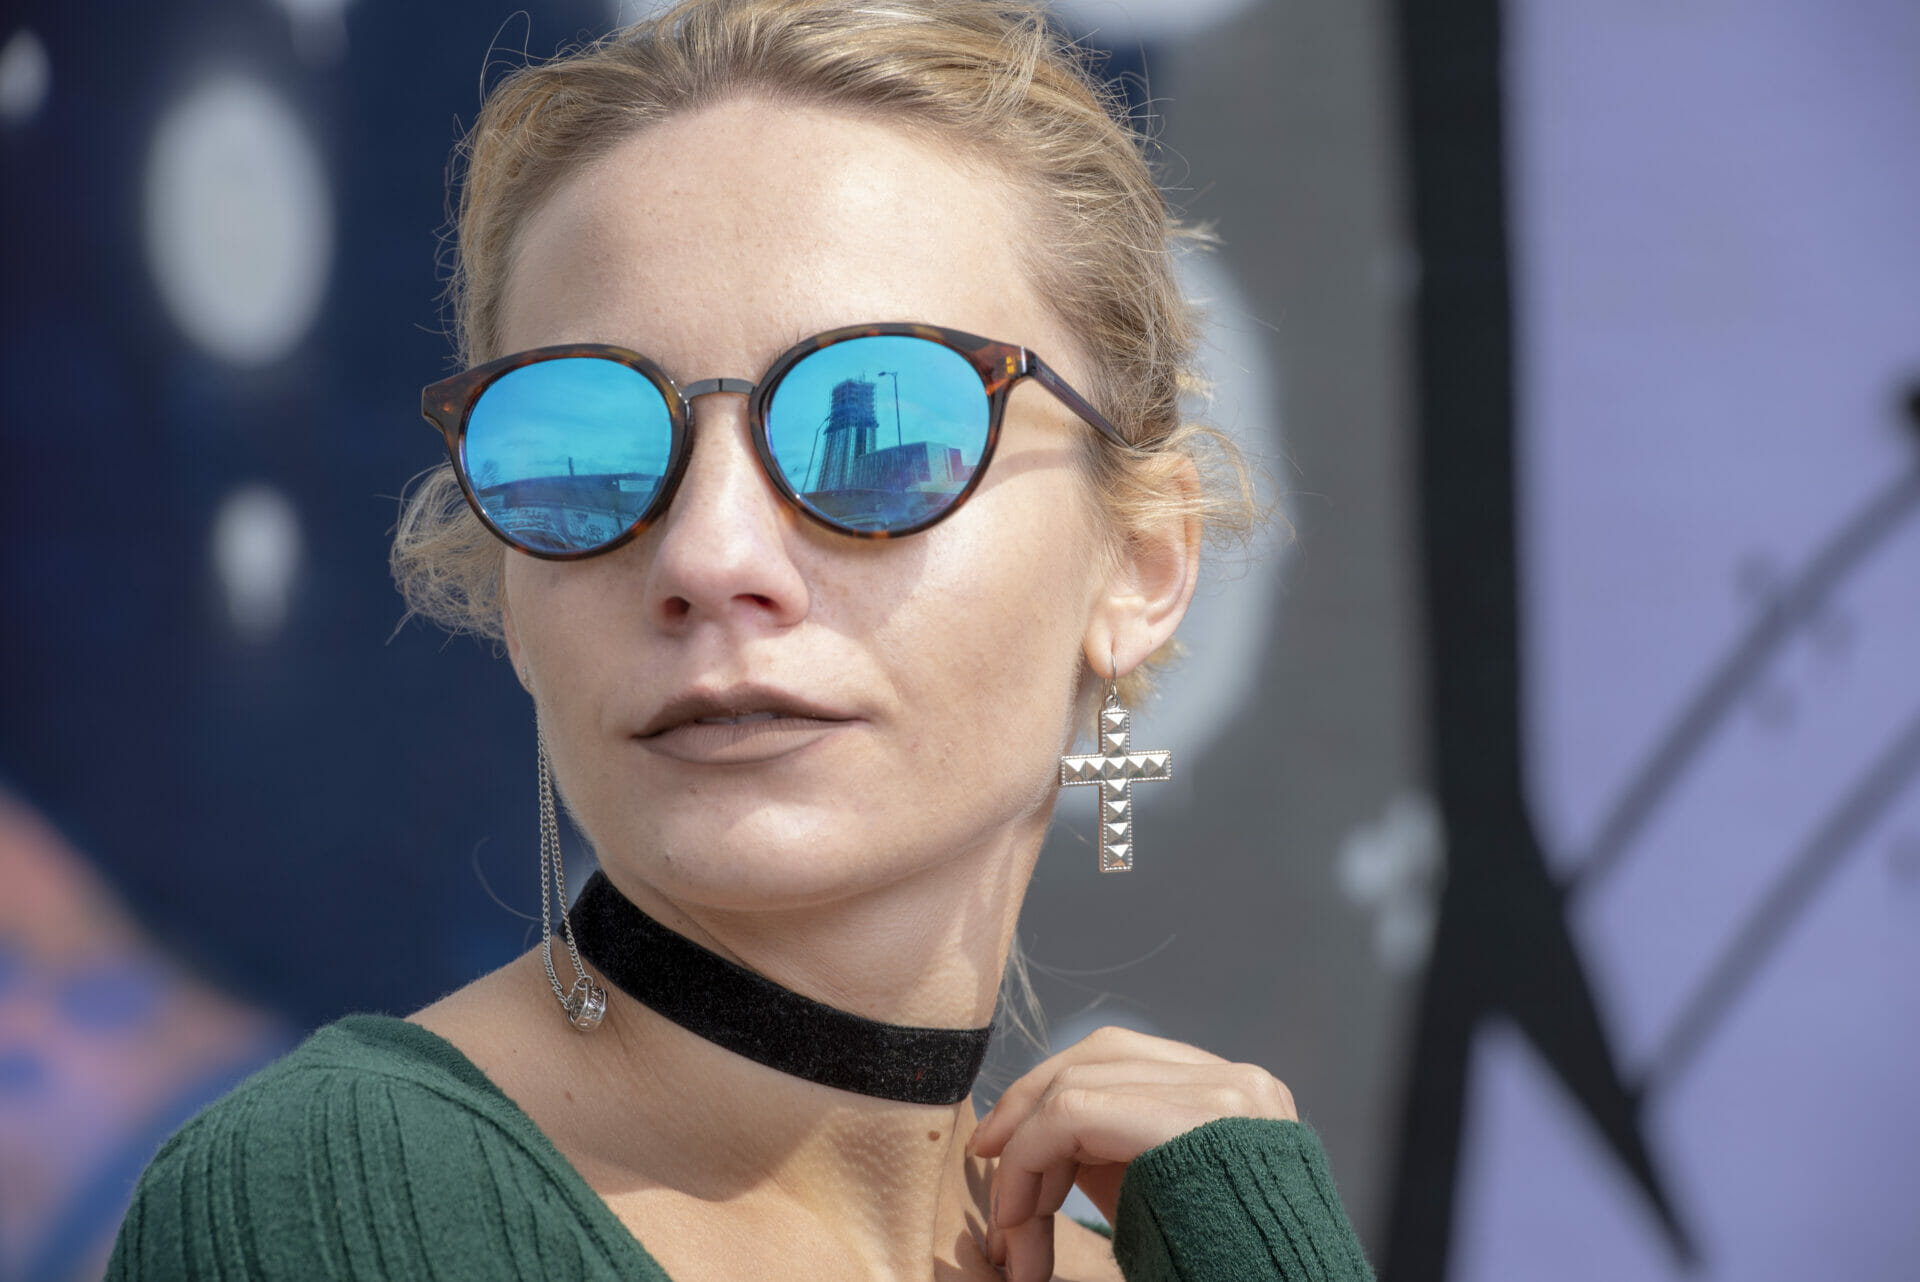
{"x":1102,"y":1045}
{"x":1078,"y":1126}
{"x":1233,"y":1090}
{"x":1111,"y":1043}
{"x":1020,"y":1100}
{"x":1227,"y":1089}
{"x":1029,"y":1250}
{"x":1101,"y":1184}
{"x":1055,"y":1183}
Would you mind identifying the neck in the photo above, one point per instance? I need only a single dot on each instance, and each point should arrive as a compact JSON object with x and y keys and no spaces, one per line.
{"x":924,"y":952}
{"x":885,"y":1182}
{"x":750,"y":1015}
{"x":888,"y":1181}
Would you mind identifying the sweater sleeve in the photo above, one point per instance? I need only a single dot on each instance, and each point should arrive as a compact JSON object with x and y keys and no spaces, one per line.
{"x":1240,"y":1198}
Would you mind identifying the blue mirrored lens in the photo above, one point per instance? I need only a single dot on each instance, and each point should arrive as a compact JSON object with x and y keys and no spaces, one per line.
{"x":565,"y":455}
{"x":879,"y":433}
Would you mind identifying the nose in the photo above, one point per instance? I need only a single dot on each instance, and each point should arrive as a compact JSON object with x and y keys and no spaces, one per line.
{"x":723,"y":553}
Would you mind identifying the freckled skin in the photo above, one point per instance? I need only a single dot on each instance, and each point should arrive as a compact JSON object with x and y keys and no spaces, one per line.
{"x":881,"y":867}
{"x":956,"y":651}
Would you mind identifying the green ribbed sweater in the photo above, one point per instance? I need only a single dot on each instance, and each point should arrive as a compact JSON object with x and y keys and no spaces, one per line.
{"x":378,"y":1150}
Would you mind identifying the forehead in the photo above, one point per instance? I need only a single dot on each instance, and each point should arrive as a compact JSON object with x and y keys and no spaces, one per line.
{"x":729,"y":234}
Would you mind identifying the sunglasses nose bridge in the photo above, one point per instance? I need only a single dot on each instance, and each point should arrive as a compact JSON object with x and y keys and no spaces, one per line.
{"x":715,"y":416}
{"x":708,"y":386}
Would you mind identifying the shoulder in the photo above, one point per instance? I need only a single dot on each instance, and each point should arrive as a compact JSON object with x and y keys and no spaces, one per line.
{"x":366,"y":1082}
{"x":373,"y":1150}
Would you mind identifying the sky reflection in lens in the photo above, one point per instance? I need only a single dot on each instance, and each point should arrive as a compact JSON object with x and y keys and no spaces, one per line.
{"x":860,"y":456}
{"x":566,"y":454}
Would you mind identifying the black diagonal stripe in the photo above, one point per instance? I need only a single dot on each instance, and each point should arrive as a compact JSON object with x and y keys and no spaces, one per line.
{"x":1789,"y":897}
{"x":1732,"y":679}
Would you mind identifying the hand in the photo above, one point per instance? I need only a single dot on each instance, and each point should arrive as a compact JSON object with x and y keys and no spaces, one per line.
{"x":1082,"y":1115}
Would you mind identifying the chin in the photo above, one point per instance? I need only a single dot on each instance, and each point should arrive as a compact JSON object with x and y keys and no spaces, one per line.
{"x":769,"y":860}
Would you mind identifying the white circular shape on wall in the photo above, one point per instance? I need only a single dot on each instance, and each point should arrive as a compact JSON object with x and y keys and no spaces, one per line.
{"x":1394,"y":866}
{"x":239,"y":221}
{"x":255,"y":548}
{"x":319,"y":29}
{"x":26,"y":74}
{"x":1112,"y":22}
{"x":314,"y":10}
{"x":625,"y":12}
{"x":1226,"y":629}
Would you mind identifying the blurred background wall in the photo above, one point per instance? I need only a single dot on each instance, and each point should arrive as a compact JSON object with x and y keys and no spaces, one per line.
{"x":1546,"y":816}
{"x":1670,"y":436}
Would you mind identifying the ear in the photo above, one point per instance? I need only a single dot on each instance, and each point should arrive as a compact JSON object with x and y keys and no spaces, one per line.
{"x":1148,"y":588}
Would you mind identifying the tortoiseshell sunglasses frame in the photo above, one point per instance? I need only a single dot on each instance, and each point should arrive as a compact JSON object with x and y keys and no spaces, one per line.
{"x":448,"y":404}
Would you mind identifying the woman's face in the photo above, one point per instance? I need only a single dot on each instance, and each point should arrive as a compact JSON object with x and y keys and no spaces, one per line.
{"x":744,"y":708}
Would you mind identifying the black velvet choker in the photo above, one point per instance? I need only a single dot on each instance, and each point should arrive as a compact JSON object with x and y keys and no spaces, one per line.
{"x":751,"y":1015}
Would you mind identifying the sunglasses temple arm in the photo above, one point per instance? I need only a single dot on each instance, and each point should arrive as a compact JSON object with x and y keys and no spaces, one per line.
{"x":440,"y":414}
{"x":1070,"y":398}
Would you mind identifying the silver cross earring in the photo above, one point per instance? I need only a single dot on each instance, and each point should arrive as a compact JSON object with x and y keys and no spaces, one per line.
{"x":1114,"y":768}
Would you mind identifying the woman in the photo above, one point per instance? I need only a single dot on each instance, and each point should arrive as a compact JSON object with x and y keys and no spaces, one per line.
{"x":811,"y":588}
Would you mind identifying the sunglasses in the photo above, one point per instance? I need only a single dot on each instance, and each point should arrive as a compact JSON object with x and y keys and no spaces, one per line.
{"x":875,"y":431}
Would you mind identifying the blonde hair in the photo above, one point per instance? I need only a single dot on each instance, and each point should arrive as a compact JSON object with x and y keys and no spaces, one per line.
{"x":995,"y":80}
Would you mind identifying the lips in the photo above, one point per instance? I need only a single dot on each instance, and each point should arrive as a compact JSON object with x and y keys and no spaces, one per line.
{"x":740,"y":728}
{"x":738,"y":707}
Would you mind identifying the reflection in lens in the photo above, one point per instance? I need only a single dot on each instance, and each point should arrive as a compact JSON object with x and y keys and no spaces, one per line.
{"x":566,"y":454}
{"x":879,"y":433}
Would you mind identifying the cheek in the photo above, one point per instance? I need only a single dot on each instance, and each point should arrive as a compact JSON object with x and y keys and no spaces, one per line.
{"x":562,"y":615}
{"x":1005,"y":606}
{"x":1043,"y":564}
